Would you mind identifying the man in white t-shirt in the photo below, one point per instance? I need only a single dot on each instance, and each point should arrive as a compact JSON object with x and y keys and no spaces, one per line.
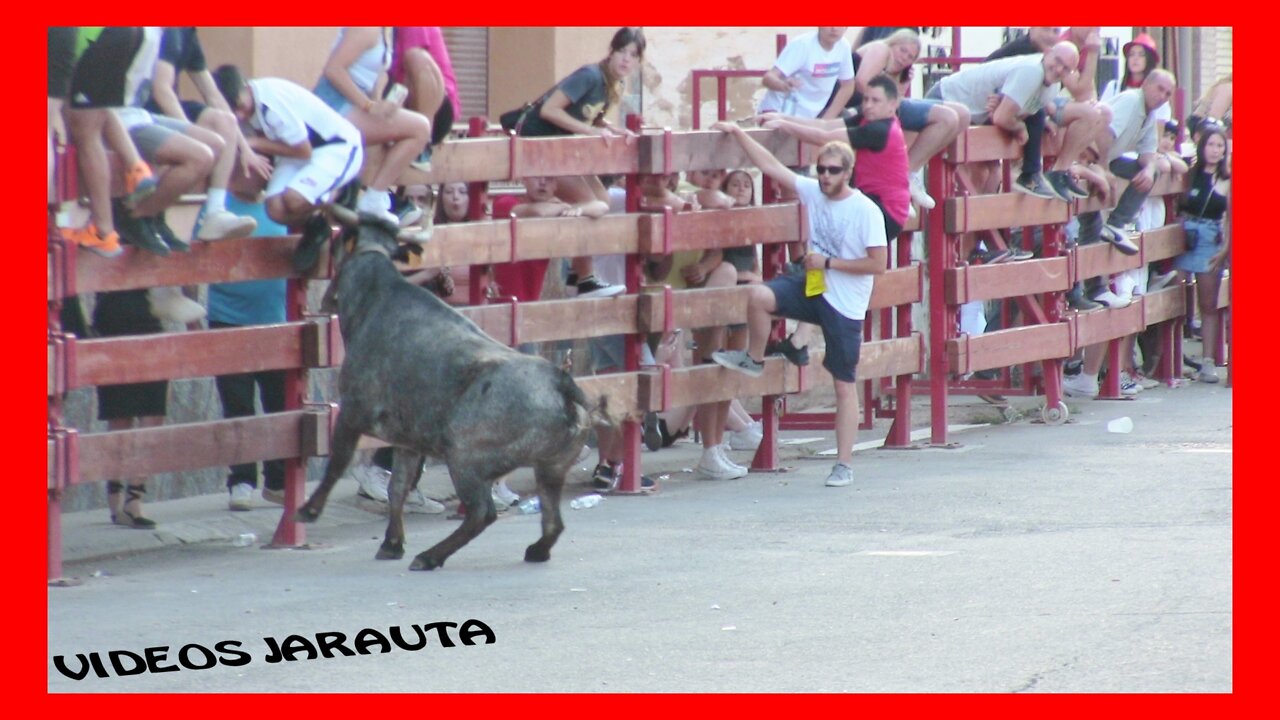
{"x":316,"y":150}
{"x":802,"y":77}
{"x":847,"y":249}
{"x":1023,"y":85}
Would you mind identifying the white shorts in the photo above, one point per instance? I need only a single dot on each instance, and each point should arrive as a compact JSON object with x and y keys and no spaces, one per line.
{"x":329,"y":168}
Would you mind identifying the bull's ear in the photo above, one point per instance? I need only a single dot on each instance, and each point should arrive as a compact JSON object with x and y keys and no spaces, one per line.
{"x":408,"y":253}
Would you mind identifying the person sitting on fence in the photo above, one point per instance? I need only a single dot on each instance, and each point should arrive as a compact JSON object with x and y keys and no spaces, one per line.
{"x":846,"y":234}
{"x":711,"y":270}
{"x":96,"y":87}
{"x":806,"y":72}
{"x":1133,"y":129}
{"x":180,"y":51}
{"x":420,"y":62}
{"x":936,"y":122}
{"x":579,"y":105}
{"x":1078,"y":113}
{"x":876,"y":133}
{"x":316,"y":151}
{"x":1022,"y":84}
{"x":352,"y":83}
{"x":1204,"y":214}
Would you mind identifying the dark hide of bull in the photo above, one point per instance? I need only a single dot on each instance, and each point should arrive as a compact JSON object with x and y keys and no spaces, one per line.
{"x":428,"y":381}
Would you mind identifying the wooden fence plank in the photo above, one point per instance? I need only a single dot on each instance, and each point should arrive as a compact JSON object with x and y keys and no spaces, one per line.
{"x":1163,"y":305}
{"x":1102,"y":325}
{"x":1102,"y":258}
{"x":970,"y":353}
{"x":200,"y":353}
{"x":191,"y":446}
{"x":1003,"y":280}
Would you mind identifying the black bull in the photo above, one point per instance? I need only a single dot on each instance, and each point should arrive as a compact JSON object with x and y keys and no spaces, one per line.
{"x":428,"y":381}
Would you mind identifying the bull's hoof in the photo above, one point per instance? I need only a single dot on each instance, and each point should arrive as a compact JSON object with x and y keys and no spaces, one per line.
{"x":425,"y":562}
{"x":389,"y":552}
{"x":306,"y":514}
{"x":533,"y":553}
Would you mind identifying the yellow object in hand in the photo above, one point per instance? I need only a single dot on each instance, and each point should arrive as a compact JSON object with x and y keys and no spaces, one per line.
{"x":815,"y":282}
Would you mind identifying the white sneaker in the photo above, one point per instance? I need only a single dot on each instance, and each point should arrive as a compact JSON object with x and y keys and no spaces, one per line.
{"x":373,"y":482}
{"x":168,"y":304}
{"x":1127,"y":381}
{"x":420,"y":504}
{"x":1208,"y":372}
{"x":225,"y":225}
{"x":241,"y":497}
{"x":711,"y":467}
{"x":729,"y":464}
{"x":1112,"y":300}
{"x":1081,"y":385}
{"x":918,"y":194}
{"x":503,"y":494}
{"x":748,"y":438}
{"x":377,"y":204}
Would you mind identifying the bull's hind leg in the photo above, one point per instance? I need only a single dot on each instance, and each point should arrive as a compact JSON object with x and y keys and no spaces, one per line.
{"x":550,"y":485}
{"x":473,"y":487}
{"x":341,"y":448}
{"x":405,"y":470}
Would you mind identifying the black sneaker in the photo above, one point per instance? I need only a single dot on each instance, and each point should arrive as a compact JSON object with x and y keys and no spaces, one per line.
{"x":167,"y":234}
{"x":590,"y":286}
{"x":1058,"y":181}
{"x":314,"y":234}
{"x":348,"y":195}
{"x":1035,"y":186}
{"x":652,"y":434}
{"x":571,"y":280}
{"x":604,"y":477}
{"x":669,"y":438}
{"x":1070,"y":184}
{"x":136,"y":231}
{"x":786,"y":348}
{"x":1077,"y":301}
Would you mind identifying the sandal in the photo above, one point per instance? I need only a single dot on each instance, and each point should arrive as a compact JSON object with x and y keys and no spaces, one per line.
{"x":121,"y":516}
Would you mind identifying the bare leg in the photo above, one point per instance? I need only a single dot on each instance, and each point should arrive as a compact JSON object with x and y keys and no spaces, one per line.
{"x":86,"y":130}
{"x":1081,"y":121}
{"x":223,"y":125}
{"x":846,"y":420}
{"x":943,"y":127}
{"x":189,"y":161}
{"x":1207,"y":285}
{"x":574,"y":190}
{"x":406,"y":132}
{"x":425,"y":82}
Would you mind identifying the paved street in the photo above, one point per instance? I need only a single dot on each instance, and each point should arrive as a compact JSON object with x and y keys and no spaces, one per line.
{"x":1030,"y":559}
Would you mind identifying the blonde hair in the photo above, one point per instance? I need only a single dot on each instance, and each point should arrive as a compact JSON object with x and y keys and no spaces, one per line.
{"x":841,"y":149}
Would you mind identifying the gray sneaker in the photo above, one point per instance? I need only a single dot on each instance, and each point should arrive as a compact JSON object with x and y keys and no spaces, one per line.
{"x":841,"y":475}
{"x":738,"y":360}
{"x":1035,"y":186}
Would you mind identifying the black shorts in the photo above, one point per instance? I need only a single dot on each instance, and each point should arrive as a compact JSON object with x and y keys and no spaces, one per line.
{"x":128,"y":313}
{"x":743,"y":259}
{"x":843,"y":335}
{"x":892,"y":228}
{"x":101,"y":77}
{"x":442,"y":123}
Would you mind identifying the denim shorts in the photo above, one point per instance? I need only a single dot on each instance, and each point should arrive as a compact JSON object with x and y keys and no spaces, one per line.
{"x":913,"y":113}
{"x":843,"y":335}
{"x":1207,"y":238}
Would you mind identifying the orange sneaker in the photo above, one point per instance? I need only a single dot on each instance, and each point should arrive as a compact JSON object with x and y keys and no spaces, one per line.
{"x":90,"y":239}
{"x":138,"y":183}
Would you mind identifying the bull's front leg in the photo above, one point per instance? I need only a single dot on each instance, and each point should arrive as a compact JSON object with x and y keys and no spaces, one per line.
{"x":341,"y":449}
{"x":405,"y":470}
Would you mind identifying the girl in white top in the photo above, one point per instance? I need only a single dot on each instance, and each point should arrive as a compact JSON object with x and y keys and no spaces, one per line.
{"x":352,"y":83}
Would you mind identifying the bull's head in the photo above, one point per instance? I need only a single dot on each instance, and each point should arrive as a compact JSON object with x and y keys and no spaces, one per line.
{"x":368,"y":236}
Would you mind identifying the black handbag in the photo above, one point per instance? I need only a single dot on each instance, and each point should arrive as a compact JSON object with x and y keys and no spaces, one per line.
{"x":514,"y":119}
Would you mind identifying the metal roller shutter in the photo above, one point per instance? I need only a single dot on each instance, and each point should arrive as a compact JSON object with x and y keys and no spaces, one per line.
{"x":469,"y":51}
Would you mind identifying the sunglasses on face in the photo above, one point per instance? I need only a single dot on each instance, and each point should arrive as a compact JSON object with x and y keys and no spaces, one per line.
{"x":830,"y":169}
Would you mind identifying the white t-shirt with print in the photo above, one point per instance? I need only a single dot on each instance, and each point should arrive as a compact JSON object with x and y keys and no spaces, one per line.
{"x":843,"y":229}
{"x":289,"y":113}
{"x":819,"y":68}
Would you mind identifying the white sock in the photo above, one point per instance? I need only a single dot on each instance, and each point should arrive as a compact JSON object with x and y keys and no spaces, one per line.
{"x":215,"y":200}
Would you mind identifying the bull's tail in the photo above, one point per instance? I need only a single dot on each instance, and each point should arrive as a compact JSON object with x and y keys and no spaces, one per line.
{"x":578,"y":409}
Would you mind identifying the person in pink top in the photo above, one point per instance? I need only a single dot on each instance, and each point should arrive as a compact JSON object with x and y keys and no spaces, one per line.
{"x":420,"y":62}
{"x":876,"y":134}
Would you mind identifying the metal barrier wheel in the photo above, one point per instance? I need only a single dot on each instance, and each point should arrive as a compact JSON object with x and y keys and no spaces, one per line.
{"x":1055,"y":414}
